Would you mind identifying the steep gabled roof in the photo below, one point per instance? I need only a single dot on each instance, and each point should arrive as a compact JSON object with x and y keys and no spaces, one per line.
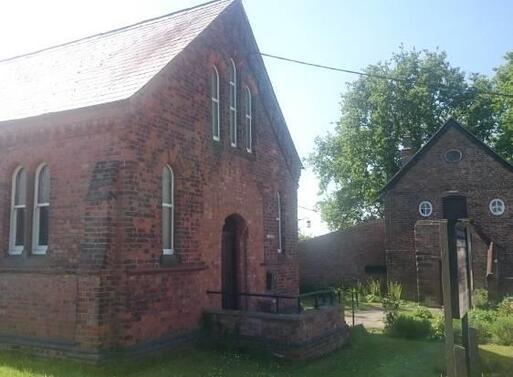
{"x":99,"y":69}
{"x":451,"y":123}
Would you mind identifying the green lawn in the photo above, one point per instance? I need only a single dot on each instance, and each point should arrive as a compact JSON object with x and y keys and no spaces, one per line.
{"x":369,"y":355}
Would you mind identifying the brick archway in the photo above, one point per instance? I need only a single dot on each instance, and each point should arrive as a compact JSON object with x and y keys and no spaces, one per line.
{"x":233,"y":261}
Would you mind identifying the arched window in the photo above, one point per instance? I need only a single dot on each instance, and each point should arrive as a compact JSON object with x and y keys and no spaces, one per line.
{"x":168,"y":210}
{"x":18,"y":205}
{"x":279,"y":223}
{"x":248,"y":120}
{"x":233,"y":104}
{"x":214,"y":95}
{"x":41,"y":210}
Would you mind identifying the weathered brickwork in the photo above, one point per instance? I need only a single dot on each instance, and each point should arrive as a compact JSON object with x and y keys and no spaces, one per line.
{"x":301,"y":336}
{"x":343,"y":255}
{"x":479,"y":177}
{"x":103,"y":284}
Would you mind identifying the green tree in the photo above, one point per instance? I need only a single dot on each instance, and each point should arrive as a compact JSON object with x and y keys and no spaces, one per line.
{"x":503,"y":82}
{"x":381,"y":116}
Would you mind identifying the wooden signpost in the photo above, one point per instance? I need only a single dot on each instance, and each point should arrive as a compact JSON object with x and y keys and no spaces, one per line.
{"x":457,"y":294}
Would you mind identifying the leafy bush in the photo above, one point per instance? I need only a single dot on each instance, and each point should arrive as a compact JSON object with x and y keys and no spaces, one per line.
{"x":503,"y":330}
{"x":438,"y":331}
{"x":480,"y":298}
{"x":408,"y":327}
{"x":422,"y":312}
{"x":505,"y":308}
{"x":394,"y":290}
{"x":373,"y":290}
{"x":482,"y":320}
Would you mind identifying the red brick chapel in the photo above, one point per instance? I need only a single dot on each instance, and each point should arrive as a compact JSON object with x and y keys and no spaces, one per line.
{"x":453,"y":176}
{"x":140,"y":168}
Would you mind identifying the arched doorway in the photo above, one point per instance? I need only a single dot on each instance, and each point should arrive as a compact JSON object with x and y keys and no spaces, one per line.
{"x":233,"y":261}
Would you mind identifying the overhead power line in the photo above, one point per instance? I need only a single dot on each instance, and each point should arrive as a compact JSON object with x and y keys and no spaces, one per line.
{"x":373,"y":75}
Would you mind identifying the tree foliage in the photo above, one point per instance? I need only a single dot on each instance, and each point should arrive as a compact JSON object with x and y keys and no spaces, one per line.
{"x":381,"y":116}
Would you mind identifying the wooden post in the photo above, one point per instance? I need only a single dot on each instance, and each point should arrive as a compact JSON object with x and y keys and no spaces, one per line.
{"x":446,"y":288}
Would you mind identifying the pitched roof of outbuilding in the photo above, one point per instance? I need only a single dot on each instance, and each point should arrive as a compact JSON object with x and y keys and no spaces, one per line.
{"x":99,"y":69}
{"x":451,"y":123}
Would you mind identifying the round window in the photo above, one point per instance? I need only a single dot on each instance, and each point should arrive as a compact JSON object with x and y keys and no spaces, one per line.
{"x":497,"y":207}
{"x":453,"y":155}
{"x":425,"y":208}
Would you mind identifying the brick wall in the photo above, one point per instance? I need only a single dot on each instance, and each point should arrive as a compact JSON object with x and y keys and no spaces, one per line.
{"x":301,"y":336}
{"x":342,"y":255}
{"x":105,"y":224}
{"x":478,"y":177}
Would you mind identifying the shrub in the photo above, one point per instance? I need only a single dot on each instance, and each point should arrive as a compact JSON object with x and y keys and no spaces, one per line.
{"x":394,"y":290}
{"x":503,"y":330}
{"x":482,"y":321}
{"x":505,"y":308}
{"x":373,"y":290}
{"x":422,"y":312}
{"x":408,"y":327}
{"x":438,"y":331}
{"x":480,"y":298}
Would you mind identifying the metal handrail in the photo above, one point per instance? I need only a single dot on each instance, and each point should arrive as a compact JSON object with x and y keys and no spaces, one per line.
{"x":316,"y":294}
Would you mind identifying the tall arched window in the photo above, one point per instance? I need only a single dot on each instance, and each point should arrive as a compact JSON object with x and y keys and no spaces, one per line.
{"x":18,"y":205}
{"x":233,"y":104}
{"x":248,"y":119}
{"x":214,"y":95}
{"x":168,"y":210}
{"x":41,"y":210}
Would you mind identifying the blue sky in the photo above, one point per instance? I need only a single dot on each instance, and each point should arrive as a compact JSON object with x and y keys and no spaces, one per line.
{"x":349,"y":34}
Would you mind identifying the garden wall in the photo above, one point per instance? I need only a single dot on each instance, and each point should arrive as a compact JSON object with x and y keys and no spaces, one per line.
{"x":296,"y":336}
{"x":354,"y":253}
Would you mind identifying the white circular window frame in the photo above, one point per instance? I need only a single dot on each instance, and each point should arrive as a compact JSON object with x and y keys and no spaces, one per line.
{"x":429,"y":207}
{"x":453,"y":161}
{"x":493,"y":208}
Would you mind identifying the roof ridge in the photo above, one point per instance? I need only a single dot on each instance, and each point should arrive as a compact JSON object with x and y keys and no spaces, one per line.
{"x":113,"y":31}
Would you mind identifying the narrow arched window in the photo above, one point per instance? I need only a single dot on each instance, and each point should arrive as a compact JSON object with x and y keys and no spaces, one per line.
{"x":248,"y":120}
{"x":41,"y":210}
{"x":214,"y":95}
{"x":233,"y":104}
{"x":168,"y":210}
{"x":279,"y":223}
{"x":18,"y":205}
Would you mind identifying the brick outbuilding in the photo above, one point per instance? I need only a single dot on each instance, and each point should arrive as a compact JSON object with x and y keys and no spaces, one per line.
{"x":455,"y":175}
{"x":140,"y":168}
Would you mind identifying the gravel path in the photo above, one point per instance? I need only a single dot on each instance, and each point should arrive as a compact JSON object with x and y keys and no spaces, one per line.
{"x":370,"y":319}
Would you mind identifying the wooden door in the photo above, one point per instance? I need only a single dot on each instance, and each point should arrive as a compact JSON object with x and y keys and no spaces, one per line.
{"x":229,"y":269}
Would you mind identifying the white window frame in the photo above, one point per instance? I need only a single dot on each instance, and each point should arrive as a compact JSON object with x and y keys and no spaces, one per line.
{"x":171,"y":207}
{"x":36,"y":248}
{"x":493,"y":207}
{"x":248,"y":110}
{"x":233,"y":104}
{"x":216,"y":120}
{"x":13,"y":248}
{"x":279,"y":223}
{"x":421,"y":204}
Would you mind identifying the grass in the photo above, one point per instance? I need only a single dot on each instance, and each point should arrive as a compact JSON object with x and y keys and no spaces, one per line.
{"x":497,"y":360}
{"x":369,"y":355}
